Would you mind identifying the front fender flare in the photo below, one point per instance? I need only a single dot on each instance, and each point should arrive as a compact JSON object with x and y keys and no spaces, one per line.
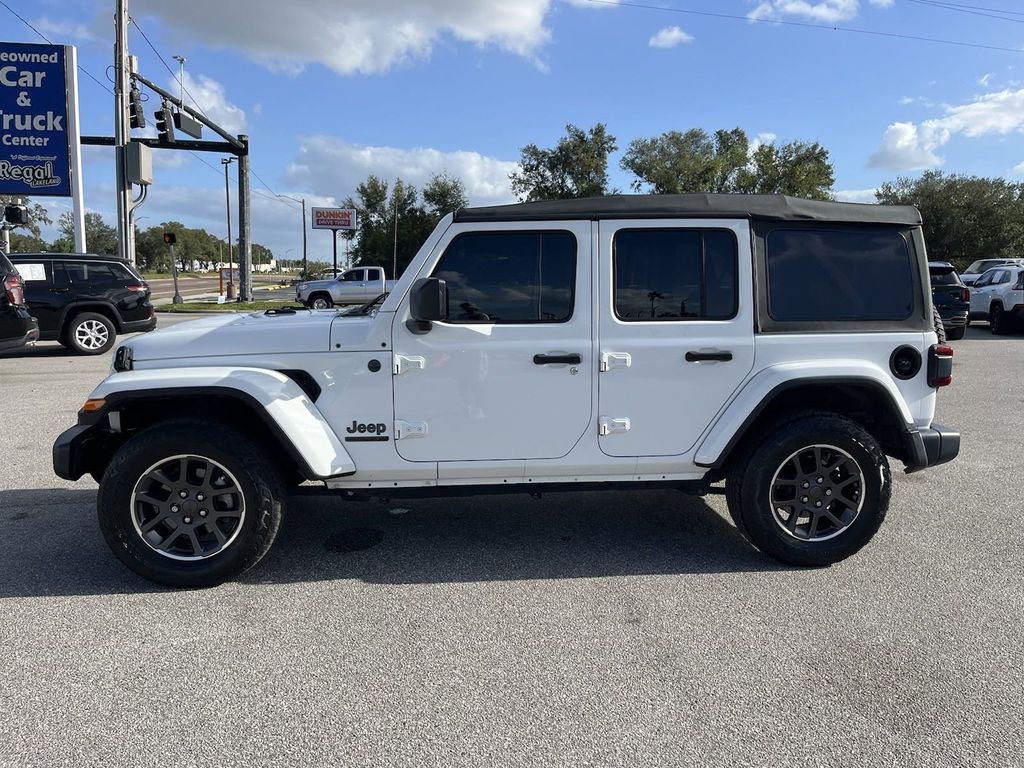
{"x":285,"y":408}
{"x":757,"y":393}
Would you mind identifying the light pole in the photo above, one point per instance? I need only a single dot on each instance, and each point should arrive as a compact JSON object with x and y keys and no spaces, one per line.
{"x":226,"y":161}
{"x":305,"y":265}
{"x":181,"y":75}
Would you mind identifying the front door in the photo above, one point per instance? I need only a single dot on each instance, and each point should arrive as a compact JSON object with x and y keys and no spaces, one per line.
{"x":675,"y":330}
{"x":508,"y":376}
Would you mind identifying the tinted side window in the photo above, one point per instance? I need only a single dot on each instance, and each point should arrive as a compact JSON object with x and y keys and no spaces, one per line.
{"x":121,"y":273}
{"x":373,"y":274}
{"x":675,"y":274}
{"x":90,"y":274}
{"x":834,"y":275}
{"x":510,"y":277}
{"x":354,"y":275}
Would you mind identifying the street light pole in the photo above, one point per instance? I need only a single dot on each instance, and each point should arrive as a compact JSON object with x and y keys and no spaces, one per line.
{"x":305,"y":264}
{"x":226,"y":161}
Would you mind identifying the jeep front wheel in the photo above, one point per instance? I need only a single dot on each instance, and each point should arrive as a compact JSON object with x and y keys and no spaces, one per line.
{"x":813,"y":492}
{"x":190,"y":504}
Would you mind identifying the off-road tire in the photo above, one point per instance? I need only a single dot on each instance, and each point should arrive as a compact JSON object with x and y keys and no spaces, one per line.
{"x":323,"y":297}
{"x":749,"y":479}
{"x":940,"y":330}
{"x":74,"y":333}
{"x":258,"y":479}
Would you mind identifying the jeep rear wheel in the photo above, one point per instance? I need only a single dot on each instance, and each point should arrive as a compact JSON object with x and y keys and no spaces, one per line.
{"x":813,"y":492}
{"x":190,"y":504}
{"x":320,"y":301}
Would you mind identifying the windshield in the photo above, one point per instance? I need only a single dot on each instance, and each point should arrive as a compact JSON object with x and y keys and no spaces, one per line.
{"x":944,"y":276}
{"x":982,"y":265}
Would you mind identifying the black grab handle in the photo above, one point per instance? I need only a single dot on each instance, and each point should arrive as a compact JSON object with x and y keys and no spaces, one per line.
{"x":696,"y":357}
{"x":556,"y":359}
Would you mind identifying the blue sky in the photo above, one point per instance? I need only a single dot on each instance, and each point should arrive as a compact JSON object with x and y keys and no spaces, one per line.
{"x":329,"y":91}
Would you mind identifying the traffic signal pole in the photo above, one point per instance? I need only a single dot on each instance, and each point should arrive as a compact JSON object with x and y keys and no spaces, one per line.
{"x":122,"y":135}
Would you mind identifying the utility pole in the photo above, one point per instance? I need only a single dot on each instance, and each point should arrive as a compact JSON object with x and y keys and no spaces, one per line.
{"x":244,"y":225}
{"x":305,"y":264}
{"x":122,"y":135}
{"x":226,"y":161}
{"x":394,"y":254}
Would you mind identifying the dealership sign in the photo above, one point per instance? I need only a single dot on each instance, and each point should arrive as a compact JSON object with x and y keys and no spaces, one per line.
{"x":334,"y":218}
{"x":35,"y":127}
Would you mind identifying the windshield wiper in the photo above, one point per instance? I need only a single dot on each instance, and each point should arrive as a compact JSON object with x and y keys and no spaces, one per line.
{"x":366,"y":308}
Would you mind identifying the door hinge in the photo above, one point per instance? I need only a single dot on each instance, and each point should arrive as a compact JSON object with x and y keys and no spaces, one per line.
{"x":405,"y":429}
{"x":402,"y":364}
{"x":606,"y":425}
{"x":611,"y":360}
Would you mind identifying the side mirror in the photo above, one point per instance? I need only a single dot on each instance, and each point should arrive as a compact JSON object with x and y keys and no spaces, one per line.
{"x":428,"y":303}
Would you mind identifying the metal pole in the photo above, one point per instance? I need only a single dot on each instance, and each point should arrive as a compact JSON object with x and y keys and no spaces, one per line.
{"x":5,"y":237}
{"x":122,"y":133}
{"x":226,"y":161}
{"x":174,"y":272}
{"x":394,"y":255}
{"x":181,"y":75}
{"x":244,"y":224}
{"x":334,"y":237}
{"x":305,"y":264}
{"x":77,"y":187}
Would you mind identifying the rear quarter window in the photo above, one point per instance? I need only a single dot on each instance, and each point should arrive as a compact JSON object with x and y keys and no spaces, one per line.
{"x":836,"y":275}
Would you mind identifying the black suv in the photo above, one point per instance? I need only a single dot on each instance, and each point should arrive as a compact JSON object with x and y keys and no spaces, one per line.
{"x":950,"y":297}
{"x":83,"y":301}
{"x":17,"y":326}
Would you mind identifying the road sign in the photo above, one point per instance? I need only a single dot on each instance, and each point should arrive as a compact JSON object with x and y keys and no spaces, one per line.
{"x":38,"y":134}
{"x":334,"y":218}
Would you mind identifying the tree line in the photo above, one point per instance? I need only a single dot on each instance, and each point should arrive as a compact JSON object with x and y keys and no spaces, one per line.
{"x":195,"y":249}
{"x":965,"y":217}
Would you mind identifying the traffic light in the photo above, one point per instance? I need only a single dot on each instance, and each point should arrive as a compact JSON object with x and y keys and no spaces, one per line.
{"x":170,"y":238}
{"x":136,"y":116}
{"x":165,"y":123}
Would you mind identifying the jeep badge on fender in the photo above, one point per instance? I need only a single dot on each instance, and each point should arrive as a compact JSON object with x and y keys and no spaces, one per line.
{"x":673,"y":340}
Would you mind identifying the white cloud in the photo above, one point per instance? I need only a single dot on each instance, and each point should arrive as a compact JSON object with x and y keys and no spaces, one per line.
{"x":760,"y":140}
{"x":669,"y":37}
{"x":822,"y":11}
{"x":209,"y":96}
{"x":356,"y":36}
{"x":985,"y":79}
{"x":64,"y":31}
{"x":856,"y":195}
{"x":331,"y":166}
{"x":1019,"y":169}
{"x":908,"y":146}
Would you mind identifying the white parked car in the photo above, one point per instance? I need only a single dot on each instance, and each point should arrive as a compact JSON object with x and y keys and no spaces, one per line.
{"x":970,"y":275}
{"x":784,"y":346}
{"x":998,"y":296}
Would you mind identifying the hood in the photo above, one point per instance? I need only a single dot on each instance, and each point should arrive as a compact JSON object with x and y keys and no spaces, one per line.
{"x":237,"y":334}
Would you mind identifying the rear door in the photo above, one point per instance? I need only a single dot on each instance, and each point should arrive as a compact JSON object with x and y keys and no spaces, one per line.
{"x":46,"y":291}
{"x":675,"y":330}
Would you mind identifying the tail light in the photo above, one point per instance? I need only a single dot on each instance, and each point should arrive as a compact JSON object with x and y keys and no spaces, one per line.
{"x":138,"y":287}
{"x":940,"y":365}
{"x":965,"y":294}
{"x":14,"y":289}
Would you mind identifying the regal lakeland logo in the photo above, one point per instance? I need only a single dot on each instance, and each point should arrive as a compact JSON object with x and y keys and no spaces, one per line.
{"x":37,"y":176}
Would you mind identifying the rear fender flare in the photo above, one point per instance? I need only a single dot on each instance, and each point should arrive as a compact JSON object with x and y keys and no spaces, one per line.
{"x":759,"y":391}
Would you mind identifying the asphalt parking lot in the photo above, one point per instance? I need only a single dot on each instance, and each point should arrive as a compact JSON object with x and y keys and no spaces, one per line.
{"x":588,"y":629}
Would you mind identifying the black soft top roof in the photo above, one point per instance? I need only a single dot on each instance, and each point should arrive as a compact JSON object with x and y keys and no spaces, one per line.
{"x":775,"y":207}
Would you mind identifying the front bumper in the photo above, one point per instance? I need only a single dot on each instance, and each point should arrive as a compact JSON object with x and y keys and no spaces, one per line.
{"x":71,"y":452}
{"x":931,"y":446}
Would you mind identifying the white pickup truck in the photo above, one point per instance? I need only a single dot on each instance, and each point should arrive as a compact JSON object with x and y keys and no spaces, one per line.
{"x":353,"y":286}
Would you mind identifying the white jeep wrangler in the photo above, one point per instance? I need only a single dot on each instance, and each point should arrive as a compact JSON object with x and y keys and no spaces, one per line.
{"x":784,"y":346}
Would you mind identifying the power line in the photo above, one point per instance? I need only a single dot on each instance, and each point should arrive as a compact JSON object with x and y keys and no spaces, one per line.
{"x":964,"y":9}
{"x":82,"y":69}
{"x":979,"y":8}
{"x":809,"y":25}
{"x":167,"y":66}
